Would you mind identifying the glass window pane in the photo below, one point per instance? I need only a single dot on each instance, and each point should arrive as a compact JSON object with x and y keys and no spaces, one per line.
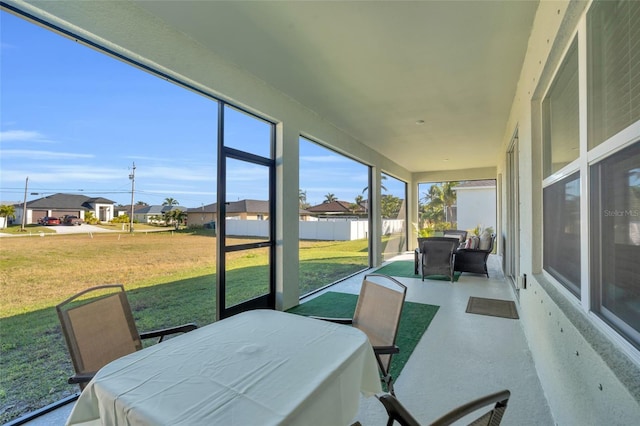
{"x":247,"y":209}
{"x":247,"y":133}
{"x":247,"y":275}
{"x":437,"y":208}
{"x":74,"y":120}
{"x":616,"y":240}
{"x":562,"y":232}
{"x":614,"y":68}
{"x":394,"y":216}
{"x":334,"y":216}
{"x":560,"y":116}
{"x":476,"y":205}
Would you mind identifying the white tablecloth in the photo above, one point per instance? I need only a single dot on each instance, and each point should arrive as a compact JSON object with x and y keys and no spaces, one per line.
{"x":256,"y":368}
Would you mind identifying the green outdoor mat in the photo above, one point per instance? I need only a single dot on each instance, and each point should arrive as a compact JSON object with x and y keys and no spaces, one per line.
{"x":415,"y":319}
{"x":405,"y":268}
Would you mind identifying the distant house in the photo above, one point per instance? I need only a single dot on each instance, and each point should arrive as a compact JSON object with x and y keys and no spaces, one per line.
{"x":198,"y":216}
{"x":248,"y":210}
{"x":153,"y":214}
{"x":126,"y":209}
{"x":238,"y":210}
{"x":244,"y":210}
{"x":306,"y":215}
{"x":337,"y":209}
{"x":58,"y":205}
{"x":476,"y":200}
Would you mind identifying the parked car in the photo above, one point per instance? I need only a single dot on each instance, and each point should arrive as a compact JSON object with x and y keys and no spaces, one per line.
{"x":49,"y":220}
{"x":72,"y":220}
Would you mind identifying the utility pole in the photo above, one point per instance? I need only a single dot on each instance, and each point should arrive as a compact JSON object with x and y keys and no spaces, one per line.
{"x":132,"y":177}
{"x":24,"y":206}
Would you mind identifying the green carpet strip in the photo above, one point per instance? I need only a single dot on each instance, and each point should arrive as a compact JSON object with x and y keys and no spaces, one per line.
{"x":405,"y":268}
{"x":415,"y":319}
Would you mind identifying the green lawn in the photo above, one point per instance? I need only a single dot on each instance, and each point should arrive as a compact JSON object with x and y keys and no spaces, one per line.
{"x":169,"y":277}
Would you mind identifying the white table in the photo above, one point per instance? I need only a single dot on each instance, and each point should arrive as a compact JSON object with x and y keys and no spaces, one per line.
{"x":256,"y":368}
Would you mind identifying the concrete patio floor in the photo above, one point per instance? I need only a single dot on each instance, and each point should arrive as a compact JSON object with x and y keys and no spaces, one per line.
{"x":463,"y":356}
{"x":460,"y":357}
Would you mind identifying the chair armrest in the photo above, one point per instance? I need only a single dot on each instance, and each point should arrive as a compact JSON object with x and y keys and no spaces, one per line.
{"x":471,"y":251}
{"x":386,"y":350}
{"x":396,"y":410}
{"x":81,"y":378}
{"x":168,"y":331}
{"x":346,"y":321}
{"x":501,"y":399}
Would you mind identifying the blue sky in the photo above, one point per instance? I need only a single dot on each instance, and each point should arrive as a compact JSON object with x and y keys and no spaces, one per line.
{"x":74,"y":120}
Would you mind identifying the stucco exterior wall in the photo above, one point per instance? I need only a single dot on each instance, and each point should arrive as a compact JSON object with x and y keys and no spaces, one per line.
{"x":588,"y":374}
{"x":476,"y":207}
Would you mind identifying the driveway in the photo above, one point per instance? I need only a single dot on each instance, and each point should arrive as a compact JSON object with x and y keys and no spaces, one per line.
{"x":82,"y":229}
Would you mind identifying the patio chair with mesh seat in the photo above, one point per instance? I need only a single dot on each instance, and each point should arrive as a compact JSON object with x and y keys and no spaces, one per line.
{"x":98,"y":327}
{"x":398,"y":412}
{"x":377,"y":314}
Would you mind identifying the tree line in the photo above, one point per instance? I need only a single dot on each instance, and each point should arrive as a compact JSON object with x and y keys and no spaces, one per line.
{"x":435,"y":207}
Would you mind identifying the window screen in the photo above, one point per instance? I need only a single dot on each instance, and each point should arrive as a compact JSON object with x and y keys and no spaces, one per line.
{"x":560,"y":112}
{"x":615,"y":240}
{"x":562,"y":232}
{"x":614,"y":68}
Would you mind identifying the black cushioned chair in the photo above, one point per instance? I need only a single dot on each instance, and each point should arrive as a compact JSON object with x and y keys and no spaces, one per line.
{"x":450,"y":233}
{"x":437,"y":256}
{"x":455,"y":233}
{"x":474,"y":260}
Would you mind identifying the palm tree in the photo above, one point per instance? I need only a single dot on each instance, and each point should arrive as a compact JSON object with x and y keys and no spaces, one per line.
{"x":302,"y":199}
{"x":438,"y":203}
{"x":431,"y":210}
{"x":390,"y":206}
{"x":329,"y":198}
{"x":449,"y":199}
{"x":7,"y":211}
{"x":176,"y":217}
{"x":170,"y":202}
{"x":382,"y":187}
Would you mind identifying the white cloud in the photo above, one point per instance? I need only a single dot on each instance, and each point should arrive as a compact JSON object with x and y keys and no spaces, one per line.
{"x":169,"y":173}
{"x":169,"y":190}
{"x":5,"y":45}
{"x":143,"y":158}
{"x":324,"y":159}
{"x":70,"y":174}
{"x":41,"y":155}
{"x":248,"y":174}
{"x":22,"y":136}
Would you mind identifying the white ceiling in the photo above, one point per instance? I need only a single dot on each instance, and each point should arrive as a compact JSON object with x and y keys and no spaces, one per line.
{"x":375,"y":68}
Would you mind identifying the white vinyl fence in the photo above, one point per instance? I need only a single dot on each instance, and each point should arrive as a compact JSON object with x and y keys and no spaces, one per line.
{"x":335,"y":230}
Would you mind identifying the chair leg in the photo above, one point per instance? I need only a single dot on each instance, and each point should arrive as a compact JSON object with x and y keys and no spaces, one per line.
{"x":388,"y":380}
